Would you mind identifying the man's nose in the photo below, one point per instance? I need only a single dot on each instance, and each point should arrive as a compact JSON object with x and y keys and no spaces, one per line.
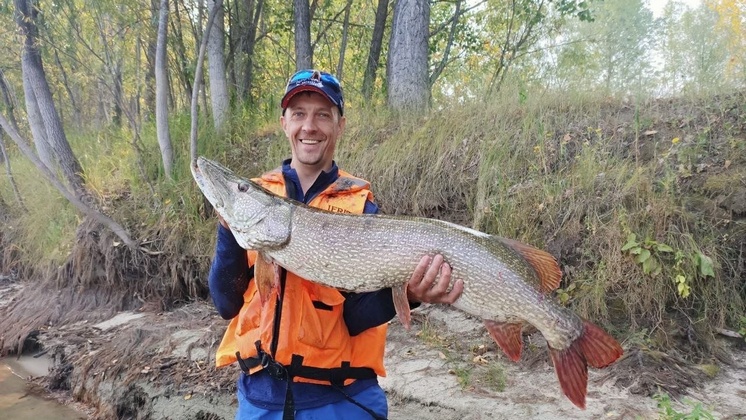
{"x":310,"y":124}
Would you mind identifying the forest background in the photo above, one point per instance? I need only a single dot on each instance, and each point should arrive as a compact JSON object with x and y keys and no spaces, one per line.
{"x":608,"y":134}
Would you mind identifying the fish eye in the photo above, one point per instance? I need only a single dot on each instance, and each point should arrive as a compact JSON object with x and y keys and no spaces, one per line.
{"x":243,"y":186}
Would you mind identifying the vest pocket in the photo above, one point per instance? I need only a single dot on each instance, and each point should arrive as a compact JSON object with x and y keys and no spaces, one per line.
{"x":321,"y":323}
{"x":250,"y":315}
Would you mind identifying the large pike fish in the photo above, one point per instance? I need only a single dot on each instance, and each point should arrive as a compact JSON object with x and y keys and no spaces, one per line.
{"x":506,"y":283}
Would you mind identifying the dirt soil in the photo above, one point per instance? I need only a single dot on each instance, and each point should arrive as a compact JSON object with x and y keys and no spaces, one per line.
{"x":159,"y":365}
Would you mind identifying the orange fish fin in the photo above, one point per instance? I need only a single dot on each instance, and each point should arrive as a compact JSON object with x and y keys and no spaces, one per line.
{"x":267,"y":277}
{"x":598,"y":347}
{"x":594,"y":347}
{"x":508,"y":336}
{"x":572,"y":373}
{"x":401,"y":304}
{"x":543,"y":263}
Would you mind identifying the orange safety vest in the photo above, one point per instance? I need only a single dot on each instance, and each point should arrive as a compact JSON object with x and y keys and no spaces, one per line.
{"x":312,"y":338}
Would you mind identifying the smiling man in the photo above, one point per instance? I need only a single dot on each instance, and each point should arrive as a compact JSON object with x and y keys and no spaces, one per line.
{"x":311,"y":351}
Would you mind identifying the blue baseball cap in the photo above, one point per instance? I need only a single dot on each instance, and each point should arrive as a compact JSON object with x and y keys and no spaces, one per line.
{"x":314,"y":81}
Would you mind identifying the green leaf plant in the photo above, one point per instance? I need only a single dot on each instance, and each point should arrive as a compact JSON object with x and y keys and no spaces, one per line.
{"x":652,"y":256}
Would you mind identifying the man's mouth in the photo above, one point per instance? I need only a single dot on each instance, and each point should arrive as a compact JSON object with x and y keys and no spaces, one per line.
{"x":308,"y":141}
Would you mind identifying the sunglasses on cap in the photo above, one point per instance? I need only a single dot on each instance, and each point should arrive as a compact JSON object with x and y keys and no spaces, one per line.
{"x":314,"y":81}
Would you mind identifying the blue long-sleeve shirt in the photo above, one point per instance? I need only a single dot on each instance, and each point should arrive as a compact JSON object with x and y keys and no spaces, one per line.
{"x":229,"y":279}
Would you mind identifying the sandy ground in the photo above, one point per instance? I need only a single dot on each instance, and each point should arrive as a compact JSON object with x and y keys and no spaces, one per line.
{"x":159,"y":366}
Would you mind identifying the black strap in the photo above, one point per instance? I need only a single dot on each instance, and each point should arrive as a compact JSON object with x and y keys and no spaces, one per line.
{"x":278,"y":313}
{"x":335,"y":376}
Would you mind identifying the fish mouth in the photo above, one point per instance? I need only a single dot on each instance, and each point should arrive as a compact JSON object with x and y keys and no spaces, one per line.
{"x":206,"y":173}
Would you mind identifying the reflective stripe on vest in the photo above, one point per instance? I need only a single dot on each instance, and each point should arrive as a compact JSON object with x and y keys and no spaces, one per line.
{"x":312,"y":327}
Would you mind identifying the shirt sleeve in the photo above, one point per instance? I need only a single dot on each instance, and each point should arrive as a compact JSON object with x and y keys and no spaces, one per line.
{"x":229,"y":274}
{"x":371,"y":309}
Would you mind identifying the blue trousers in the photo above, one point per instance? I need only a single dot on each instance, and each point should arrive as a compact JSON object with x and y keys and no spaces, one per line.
{"x":372,"y":398}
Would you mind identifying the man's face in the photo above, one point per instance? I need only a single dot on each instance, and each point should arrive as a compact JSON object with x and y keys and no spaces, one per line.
{"x":313,"y":125}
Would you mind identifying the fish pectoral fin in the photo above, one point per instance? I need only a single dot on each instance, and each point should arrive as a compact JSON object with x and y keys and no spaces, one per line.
{"x":267,"y":277}
{"x":401,"y":304}
{"x":508,"y":336}
{"x":593,"y":347}
{"x":543,"y":263}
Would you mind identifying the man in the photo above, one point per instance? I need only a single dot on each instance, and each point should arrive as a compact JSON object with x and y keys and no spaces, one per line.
{"x":311,"y":351}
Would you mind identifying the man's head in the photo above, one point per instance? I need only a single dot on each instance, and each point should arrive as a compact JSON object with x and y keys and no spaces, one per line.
{"x":314,"y":81}
{"x":312,"y":118}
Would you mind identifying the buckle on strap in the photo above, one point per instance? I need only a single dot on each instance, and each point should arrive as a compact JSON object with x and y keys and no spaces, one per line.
{"x":272,"y":366}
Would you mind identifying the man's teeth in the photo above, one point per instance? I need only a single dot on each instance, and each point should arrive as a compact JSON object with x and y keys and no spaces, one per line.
{"x":310,"y":141}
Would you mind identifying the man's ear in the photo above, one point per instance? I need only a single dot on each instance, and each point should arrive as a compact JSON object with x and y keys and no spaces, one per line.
{"x":342,"y":124}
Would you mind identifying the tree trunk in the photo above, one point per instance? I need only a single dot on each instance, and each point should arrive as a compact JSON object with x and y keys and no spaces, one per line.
{"x":9,"y":98}
{"x":216,"y":62}
{"x":447,"y":53}
{"x":407,"y":70}
{"x":254,"y":12}
{"x":8,"y":172}
{"x":343,"y":47}
{"x":34,"y":70}
{"x":36,"y":124}
{"x":161,"y":92}
{"x":198,"y":82}
{"x":118,"y":94}
{"x":151,"y":45}
{"x":374,"y":54}
{"x":77,"y":119}
{"x":186,"y":73}
{"x":303,"y":50}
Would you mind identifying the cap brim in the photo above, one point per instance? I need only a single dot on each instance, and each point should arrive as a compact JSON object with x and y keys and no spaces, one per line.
{"x":305,"y":88}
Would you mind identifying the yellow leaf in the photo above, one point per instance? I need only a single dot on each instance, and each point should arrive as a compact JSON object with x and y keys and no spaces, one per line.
{"x":675,"y":140}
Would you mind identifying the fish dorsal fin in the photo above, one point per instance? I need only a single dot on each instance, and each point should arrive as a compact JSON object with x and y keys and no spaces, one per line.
{"x":542,"y":262}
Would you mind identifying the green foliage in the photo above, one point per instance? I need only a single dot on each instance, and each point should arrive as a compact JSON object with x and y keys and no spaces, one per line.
{"x":668,"y":412}
{"x":742,"y":329}
{"x":652,"y":255}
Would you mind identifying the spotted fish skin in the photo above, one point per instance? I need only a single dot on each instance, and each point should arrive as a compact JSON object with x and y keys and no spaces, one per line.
{"x":506,"y":283}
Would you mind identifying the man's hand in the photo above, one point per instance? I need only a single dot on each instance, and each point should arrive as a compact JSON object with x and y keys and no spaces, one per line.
{"x":430,"y":282}
{"x":222,"y":221}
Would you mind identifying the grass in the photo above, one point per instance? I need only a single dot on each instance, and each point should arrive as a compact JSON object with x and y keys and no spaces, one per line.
{"x":464,"y":360}
{"x":667,"y":411}
{"x":575,"y":175}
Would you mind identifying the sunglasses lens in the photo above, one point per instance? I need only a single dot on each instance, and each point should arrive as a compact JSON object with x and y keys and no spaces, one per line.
{"x":308,"y":74}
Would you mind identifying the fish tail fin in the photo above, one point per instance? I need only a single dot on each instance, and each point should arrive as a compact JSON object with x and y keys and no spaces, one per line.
{"x":598,"y":347}
{"x":401,"y":304}
{"x":594,"y":347}
{"x":507,"y":335}
{"x":572,"y":373}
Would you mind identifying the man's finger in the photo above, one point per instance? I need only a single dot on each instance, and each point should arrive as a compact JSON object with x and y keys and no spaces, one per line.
{"x":419,"y":272}
{"x":443,"y":281}
{"x":455,"y":293}
{"x":432,"y":272}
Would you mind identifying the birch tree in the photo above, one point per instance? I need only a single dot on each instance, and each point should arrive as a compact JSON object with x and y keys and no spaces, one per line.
{"x":161,"y":92}
{"x":216,"y":60}
{"x":37,"y":89}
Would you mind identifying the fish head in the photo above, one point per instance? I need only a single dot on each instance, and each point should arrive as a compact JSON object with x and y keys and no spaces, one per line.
{"x":251,"y":212}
